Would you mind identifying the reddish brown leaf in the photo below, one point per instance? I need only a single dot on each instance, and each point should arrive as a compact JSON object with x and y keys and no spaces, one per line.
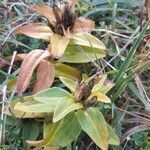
{"x":35,"y":30}
{"x":27,"y":68}
{"x":72,"y":2}
{"x":58,"y":14}
{"x":3,"y":62}
{"x":20,"y":57}
{"x":83,"y":25}
{"x":148,"y":8}
{"x":45,"y":11}
{"x":6,"y":61}
{"x":45,"y":76}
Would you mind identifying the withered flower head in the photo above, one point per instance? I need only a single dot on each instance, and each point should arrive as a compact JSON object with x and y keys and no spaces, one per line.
{"x":89,"y":89}
{"x":63,"y":20}
{"x":64,"y":28}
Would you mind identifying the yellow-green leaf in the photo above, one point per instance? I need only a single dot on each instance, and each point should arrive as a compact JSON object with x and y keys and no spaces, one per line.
{"x":93,"y":123}
{"x":21,"y":113}
{"x":61,"y":133}
{"x":35,"y":106}
{"x":67,"y":131}
{"x":81,"y":54}
{"x":64,"y":107}
{"x":67,"y":71}
{"x":71,"y":84}
{"x":100,"y":97}
{"x":58,"y":45}
{"x":52,"y":95}
{"x":113,"y":139}
{"x":85,"y":77}
{"x":99,"y":85}
{"x":88,"y":40}
{"x":106,"y":87}
{"x":50,"y":147}
{"x":11,"y":84}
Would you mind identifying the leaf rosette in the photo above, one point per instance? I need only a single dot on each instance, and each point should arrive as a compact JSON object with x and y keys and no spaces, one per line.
{"x":73,"y":111}
{"x":66,"y":33}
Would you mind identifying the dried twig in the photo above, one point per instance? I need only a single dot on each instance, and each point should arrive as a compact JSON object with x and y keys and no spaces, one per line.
{"x":4,"y":98}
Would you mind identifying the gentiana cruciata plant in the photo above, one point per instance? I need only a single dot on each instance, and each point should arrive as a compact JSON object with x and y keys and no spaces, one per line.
{"x":73,"y":107}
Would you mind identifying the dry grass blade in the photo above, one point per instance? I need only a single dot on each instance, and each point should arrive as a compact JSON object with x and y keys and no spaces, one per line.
{"x":134,"y":130}
{"x":45,"y":76}
{"x":83,"y":25}
{"x":148,"y":7}
{"x":141,"y":89}
{"x":27,"y":68}
{"x":4,"y":98}
{"x":35,"y":30}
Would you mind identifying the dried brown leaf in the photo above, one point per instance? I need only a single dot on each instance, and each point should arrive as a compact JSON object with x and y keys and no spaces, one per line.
{"x":3,"y":62}
{"x":45,"y":76}
{"x":35,"y":30}
{"x":27,"y":68}
{"x":45,"y":11}
{"x":58,"y":14}
{"x":20,"y":57}
{"x":148,"y":7}
{"x":83,"y":25}
{"x":72,"y":2}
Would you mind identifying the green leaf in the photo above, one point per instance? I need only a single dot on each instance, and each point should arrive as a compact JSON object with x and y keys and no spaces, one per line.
{"x":34,"y":106}
{"x":71,"y":84}
{"x":106,"y":87}
{"x":131,"y":53}
{"x":100,"y":97}
{"x":52,"y":95}
{"x":67,"y":71}
{"x":67,"y":131}
{"x":84,"y":51}
{"x":30,"y":130}
{"x":64,"y":107}
{"x":49,"y":147}
{"x":11,"y":84}
{"x":93,"y":123}
{"x":88,"y":40}
{"x":21,"y":113}
{"x":112,"y":136}
{"x":61,"y":133}
{"x":99,"y":85}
